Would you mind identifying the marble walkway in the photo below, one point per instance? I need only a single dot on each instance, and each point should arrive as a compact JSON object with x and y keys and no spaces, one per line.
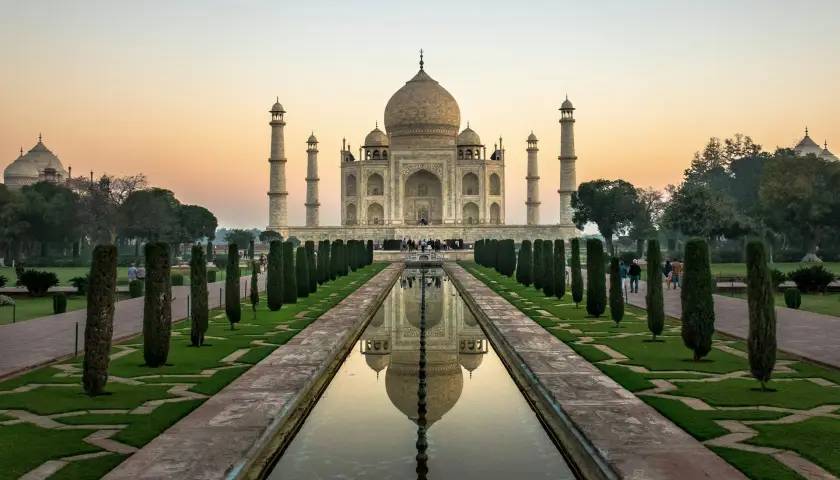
{"x":809,"y":335}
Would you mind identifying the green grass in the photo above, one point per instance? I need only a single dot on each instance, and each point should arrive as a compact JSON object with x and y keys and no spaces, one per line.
{"x":64,"y":274}
{"x":735,"y":399}
{"x":827,"y":304}
{"x":740,"y":269}
{"x":25,"y":446}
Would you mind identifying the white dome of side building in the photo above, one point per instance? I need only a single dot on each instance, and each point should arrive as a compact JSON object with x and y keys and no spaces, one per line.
{"x":808,"y":146}
{"x":39,"y":164}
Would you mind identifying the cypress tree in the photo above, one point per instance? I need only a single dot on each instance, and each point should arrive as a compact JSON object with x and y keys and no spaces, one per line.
{"x":251,"y":249}
{"x":370,"y":252}
{"x":324,"y":259}
{"x":507,"y":257}
{"x":559,"y":268}
{"x":479,"y":244}
{"x":351,"y":255}
{"x":233,"y":309}
{"x":290,"y":290}
{"x":99,"y":323}
{"x":199,"y":311}
{"x":312,"y":266}
{"x":209,"y":251}
{"x":577,"y":276}
{"x":523,"y":264}
{"x":596,"y":278}
{"x":274,"y":276}
{"x":538,"y":265}
{"x":548,"y":268}
{"x":653,"y":297}
{"x":698,"y":308}
{"x":616,"y":295}
{"x":761,"y":340}
{"x":255,"y":287}
{"x":345,"y":259}
{"x":302,"y":272}
{"x":334,"y":260}
{"x":157,"y":305}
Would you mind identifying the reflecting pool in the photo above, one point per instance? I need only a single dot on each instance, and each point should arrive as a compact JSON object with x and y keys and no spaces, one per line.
{"x":478,"y":424}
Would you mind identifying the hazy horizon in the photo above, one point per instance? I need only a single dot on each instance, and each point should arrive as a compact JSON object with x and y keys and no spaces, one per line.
{"x":181,"y":92}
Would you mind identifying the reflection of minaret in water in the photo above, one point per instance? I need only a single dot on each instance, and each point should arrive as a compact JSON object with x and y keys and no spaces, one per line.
{"x":422,"y":467}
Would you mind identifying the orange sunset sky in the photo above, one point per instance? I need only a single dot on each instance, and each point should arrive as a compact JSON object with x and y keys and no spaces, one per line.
{"x":180,"y":90}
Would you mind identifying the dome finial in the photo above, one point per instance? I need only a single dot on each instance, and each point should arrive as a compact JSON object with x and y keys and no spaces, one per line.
{"x":468,"y":124}
{"x":825,"y":144}
{"x":421,"y":59}
{"x":39,"y":136}
{"x":21,"y":151}
{"x":806,"y":130}
{"x":376,"y":124}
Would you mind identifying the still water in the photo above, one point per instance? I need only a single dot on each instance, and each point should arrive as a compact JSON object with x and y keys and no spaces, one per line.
{"x":478,"y":425}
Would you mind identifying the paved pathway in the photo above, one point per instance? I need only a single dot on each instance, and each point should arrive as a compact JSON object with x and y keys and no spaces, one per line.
{"x":809,"y":335}
{"x":35,"y":342}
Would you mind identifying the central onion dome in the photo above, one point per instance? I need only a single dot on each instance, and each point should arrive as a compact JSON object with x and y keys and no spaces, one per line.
{"x":422,"y":108}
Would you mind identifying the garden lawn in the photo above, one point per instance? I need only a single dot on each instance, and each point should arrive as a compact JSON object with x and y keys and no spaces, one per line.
{"x":720,"y":386}
{"x":825,"y":303}
{"x":64,"y":274}
{"x":142,"y":402}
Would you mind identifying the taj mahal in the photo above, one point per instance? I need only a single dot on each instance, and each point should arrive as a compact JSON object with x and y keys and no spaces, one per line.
{"x":423,"y":177}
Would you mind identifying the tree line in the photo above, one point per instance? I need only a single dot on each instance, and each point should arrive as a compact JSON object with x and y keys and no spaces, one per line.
{"x":50,"y":220}
{"x":732,"y":190}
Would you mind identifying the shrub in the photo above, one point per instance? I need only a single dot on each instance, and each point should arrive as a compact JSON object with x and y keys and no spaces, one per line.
{"x":548,"y":268}
{"x":616,"y":295}
{"x":220,"y":261}
{"x":577,"y":276}
{"x":777,"y":277}
{"x":761,"y":339}
{"x":559,"y":268}
{"x":37,"y":282}
{"x":596,"y":278}
{"x":99,"y":320}
{"x":289,"y":280}
{"x":233,"y":309}
{"x":274,"y":276}
{"x":302,"y":272}
{"x":653,"y":298}
{"x":538,"y":264}
{"x":135,"y":288}
{"x":811,"y":279}
{"x":80,"y":283}
{"x":59,"y":302}
{"x":177,"y":279}
{"x":312,"y":266}
{"x":255,"y":286}
{"x":157,"y":308}
{"x":523,"y":265}
{"x":199,"y":309}
{"x":507,"y":257}
{"x":3,"y":281}
{"x":6,"y":301}
{"x":793,"y":298}
{"x":369,"y":252}
{"x":211,"y":276}
{"x":698,"y":312}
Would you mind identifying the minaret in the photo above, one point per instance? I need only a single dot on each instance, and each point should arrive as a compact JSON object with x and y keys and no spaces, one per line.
{"x":277,"y":195}
{"x":568,"y":183}
{"x":532,"y":202}
{"x":312,"y":181}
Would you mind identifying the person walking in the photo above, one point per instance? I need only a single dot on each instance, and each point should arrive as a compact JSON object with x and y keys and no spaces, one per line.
{"x":676,"y":273}
{"x":622,"y":274}
{"x":635,"y":272}
{"x":666,"y":270}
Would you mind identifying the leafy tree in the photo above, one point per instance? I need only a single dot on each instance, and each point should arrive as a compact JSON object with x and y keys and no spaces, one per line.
{"x":268,"y":236}
{"x":577,"y":276}
{"x":196,"y":223}
{"x":761,"y":339}
{"x":648,"y":215}
{"x":302,"y":272}
{"x":290,"y":291}
{"x":157,"y":307}
{"x":616,"y":295}
{"x":233,"y":309}
{"x":99,"y":323}
{"x":50,"y":210}
{"x":653,"y":297}
{"x":712,"y":166}
{"x":698,"y":312}
{"x":523,"y":265}
{"x":610,"y":204}
{"x":151,"y":214}
{"x":596,"y":278}
{"x":274,"y":276}
{"x":199,"y":311}
{"x":559,"y":268}
{"x":312,"y":265}
{"x":239,"y":236}
{"x":548,"y":268}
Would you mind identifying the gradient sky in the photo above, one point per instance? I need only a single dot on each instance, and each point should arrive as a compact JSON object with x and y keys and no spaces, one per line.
{"x":180,"y":92}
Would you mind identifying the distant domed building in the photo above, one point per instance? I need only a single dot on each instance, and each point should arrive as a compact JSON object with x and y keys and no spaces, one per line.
{"x":39,"y":164}
{"x":808,"y":146}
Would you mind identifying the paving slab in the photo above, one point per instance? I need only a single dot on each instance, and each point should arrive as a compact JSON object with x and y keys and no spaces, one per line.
{"x":222,"y":438}
{"x":608,"y":431}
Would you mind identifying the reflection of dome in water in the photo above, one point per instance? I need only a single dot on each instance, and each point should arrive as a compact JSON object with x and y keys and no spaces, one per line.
{"x":443,"y":379}
{"x":434,"y":307}
{"x":377,"y":362}
{"x":470,"y":361}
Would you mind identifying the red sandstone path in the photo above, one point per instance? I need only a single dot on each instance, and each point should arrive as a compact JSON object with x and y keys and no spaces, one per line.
{"x":31,"y":343}
{"x":810,"y":335}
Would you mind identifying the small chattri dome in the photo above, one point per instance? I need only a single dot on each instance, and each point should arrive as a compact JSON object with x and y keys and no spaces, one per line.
{"x":807,"y":146}
{"x":376,"y":138}
{"x":826,"y":154}
{"x":277,"y":107}
{"x":312,"y":138}
{"x":532,"y":137}
{"x":567,"y":105}
{"x":469,"y":137}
